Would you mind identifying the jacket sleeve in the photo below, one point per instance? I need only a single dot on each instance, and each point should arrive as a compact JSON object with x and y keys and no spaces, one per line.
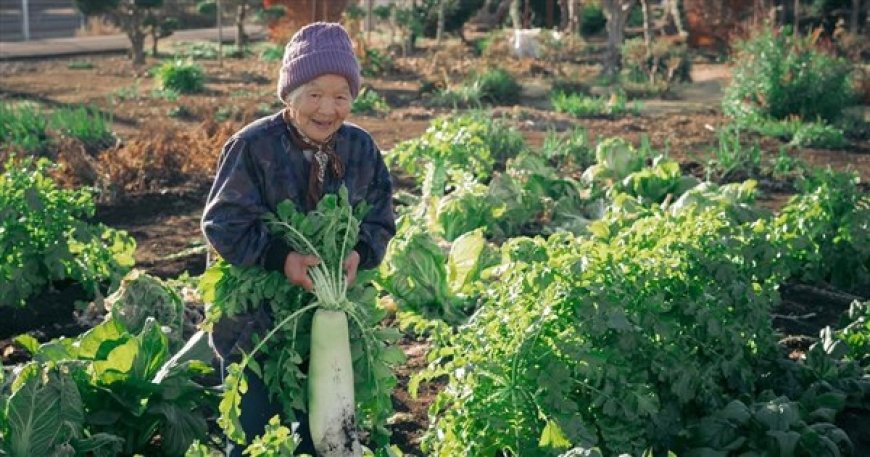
{"x":232,"y":221}
{"x":379,"y":224}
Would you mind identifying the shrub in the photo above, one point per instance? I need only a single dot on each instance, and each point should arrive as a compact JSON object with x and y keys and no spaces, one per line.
{"x":89,"y":125}
{"x":593,"y":19}
{"x":471,"y":142}
{"x":498,"y":87}
{"x":571,"y":147}
{"x":22,"y":127}
{"x":666,"y":62}
{"x":797,"y":132}
{"x":44,"y":236}
{"x":272,"y":52}
{"x":582,"y":106}
{"x":464,"y":96}
{"x":370,"y":102}
{"x":778,"y":76}
{"x":180,"y":76}
{"x":376,"y":63}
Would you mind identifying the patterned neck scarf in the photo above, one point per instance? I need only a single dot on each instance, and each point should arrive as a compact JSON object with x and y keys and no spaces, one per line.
{"x":324,"y":158}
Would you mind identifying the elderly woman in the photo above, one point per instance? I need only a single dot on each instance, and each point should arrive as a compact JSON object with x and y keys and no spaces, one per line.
{"x":300,"y":153}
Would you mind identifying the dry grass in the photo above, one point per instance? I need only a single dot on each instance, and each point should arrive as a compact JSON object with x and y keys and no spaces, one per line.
{"x":166,"y":157}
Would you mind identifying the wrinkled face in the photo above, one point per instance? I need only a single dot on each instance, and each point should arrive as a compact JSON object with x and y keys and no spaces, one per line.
{"x":320,"y":106}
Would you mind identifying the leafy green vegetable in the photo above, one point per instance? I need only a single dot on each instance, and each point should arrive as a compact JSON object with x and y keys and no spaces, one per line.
{"x":45,"y":236}
{"x":141,"y":296}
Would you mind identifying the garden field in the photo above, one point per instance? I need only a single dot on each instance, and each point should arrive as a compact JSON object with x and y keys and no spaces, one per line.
{"x":583,"y":266}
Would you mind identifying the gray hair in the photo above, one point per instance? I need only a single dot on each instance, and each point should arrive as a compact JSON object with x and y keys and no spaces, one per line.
{"x":291,"y":98}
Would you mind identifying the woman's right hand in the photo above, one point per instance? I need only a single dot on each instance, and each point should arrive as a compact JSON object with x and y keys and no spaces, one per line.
{"x":296,"y":269}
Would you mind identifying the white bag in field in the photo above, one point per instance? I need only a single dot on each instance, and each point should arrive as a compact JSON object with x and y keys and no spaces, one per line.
{"x":525,"y":43}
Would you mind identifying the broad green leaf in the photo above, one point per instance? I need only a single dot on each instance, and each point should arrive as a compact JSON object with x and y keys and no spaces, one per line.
{"x":463,"y":261}
{"x":552,"y":436}
{"x":90,"y":345}
{"x":28,"y":342}
{"x":44,"y":414}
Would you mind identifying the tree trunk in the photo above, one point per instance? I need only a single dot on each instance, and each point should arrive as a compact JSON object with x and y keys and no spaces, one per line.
{"x":616,"y":12}
{"x":439,"y":32}
{"x":647,"y":33}
{"x":154,"y":39}
{"x":797,"y":18}
{"x":137,"y":41}
{"x":853,"y":20}
{"x":241,"y":36}
{"x":516,"y":18}
{"x":673,"y":9}
{"x":569,"y":18}
{"x":647,"y":39}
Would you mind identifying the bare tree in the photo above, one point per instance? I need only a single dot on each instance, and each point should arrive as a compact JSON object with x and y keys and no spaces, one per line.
{"x":797,"y":18}
{"x":616,"y":12}
{"x":853,"y":20}
{"x":440,"y":31}
{"x":570,"y":15}
{"x":671,"y":10}
{"x":516,"y":18}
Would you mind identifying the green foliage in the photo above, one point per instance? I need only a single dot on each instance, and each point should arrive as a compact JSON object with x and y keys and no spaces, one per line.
{"x":570,"y":149}
{"x":142,"y":296}
{"x":784,"y":166}
{"x":800,"y":133}
{"x":96,"y":7}
{"x":422,"y":279}
{"x":731,"y":157}
{"x":497,"y":86}
{"x":276,"y":441}
{"x":462,"y":96}
{"x":45,"y":236}
{"x":618,"y":341}
{"x":855,"y":332}
{"x":271,"y":52}
{"x":770,"y":426}
{"x":825,"y":231}
{"x":376,"y":63}
{"x":593,"y":21}
{"x":107,"y":392}
{"x":456,"y":13}
{"x":181,"y":76}
{"x":23,"y":126}
{"x":470,"y":142}
{"x":582,"y":106}
{"x":80,"y":65}
{"x":778,"y":76}
{"x":370,"y":102}
{"x":87,"y":124}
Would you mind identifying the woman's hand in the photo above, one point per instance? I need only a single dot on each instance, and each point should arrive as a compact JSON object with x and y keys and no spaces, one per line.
{"x":351,"y":263}
{"x":296,"y":269}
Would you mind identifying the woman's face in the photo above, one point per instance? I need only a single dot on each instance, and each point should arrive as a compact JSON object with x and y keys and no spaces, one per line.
{"x":321,"y":106}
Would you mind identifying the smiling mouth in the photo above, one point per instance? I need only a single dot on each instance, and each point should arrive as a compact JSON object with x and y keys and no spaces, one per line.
{"x":321,"y":124}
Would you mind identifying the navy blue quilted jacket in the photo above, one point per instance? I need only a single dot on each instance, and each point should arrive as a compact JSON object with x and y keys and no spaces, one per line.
{"x":259,"y":167}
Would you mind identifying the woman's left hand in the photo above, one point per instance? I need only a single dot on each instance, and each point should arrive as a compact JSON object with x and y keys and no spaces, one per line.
{"x":350,"y":265}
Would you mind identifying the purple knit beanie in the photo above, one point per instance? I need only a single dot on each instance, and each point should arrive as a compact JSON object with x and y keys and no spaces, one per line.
{"x":315,"y":50}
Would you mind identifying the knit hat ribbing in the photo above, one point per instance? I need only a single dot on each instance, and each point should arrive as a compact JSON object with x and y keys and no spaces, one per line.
{"x":315,"y":50}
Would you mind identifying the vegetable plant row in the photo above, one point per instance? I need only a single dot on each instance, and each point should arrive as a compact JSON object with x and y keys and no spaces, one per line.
{"x":583,"y":300}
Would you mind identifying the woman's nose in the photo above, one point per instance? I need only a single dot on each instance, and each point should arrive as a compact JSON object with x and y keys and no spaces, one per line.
{"x":327,"y":105}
